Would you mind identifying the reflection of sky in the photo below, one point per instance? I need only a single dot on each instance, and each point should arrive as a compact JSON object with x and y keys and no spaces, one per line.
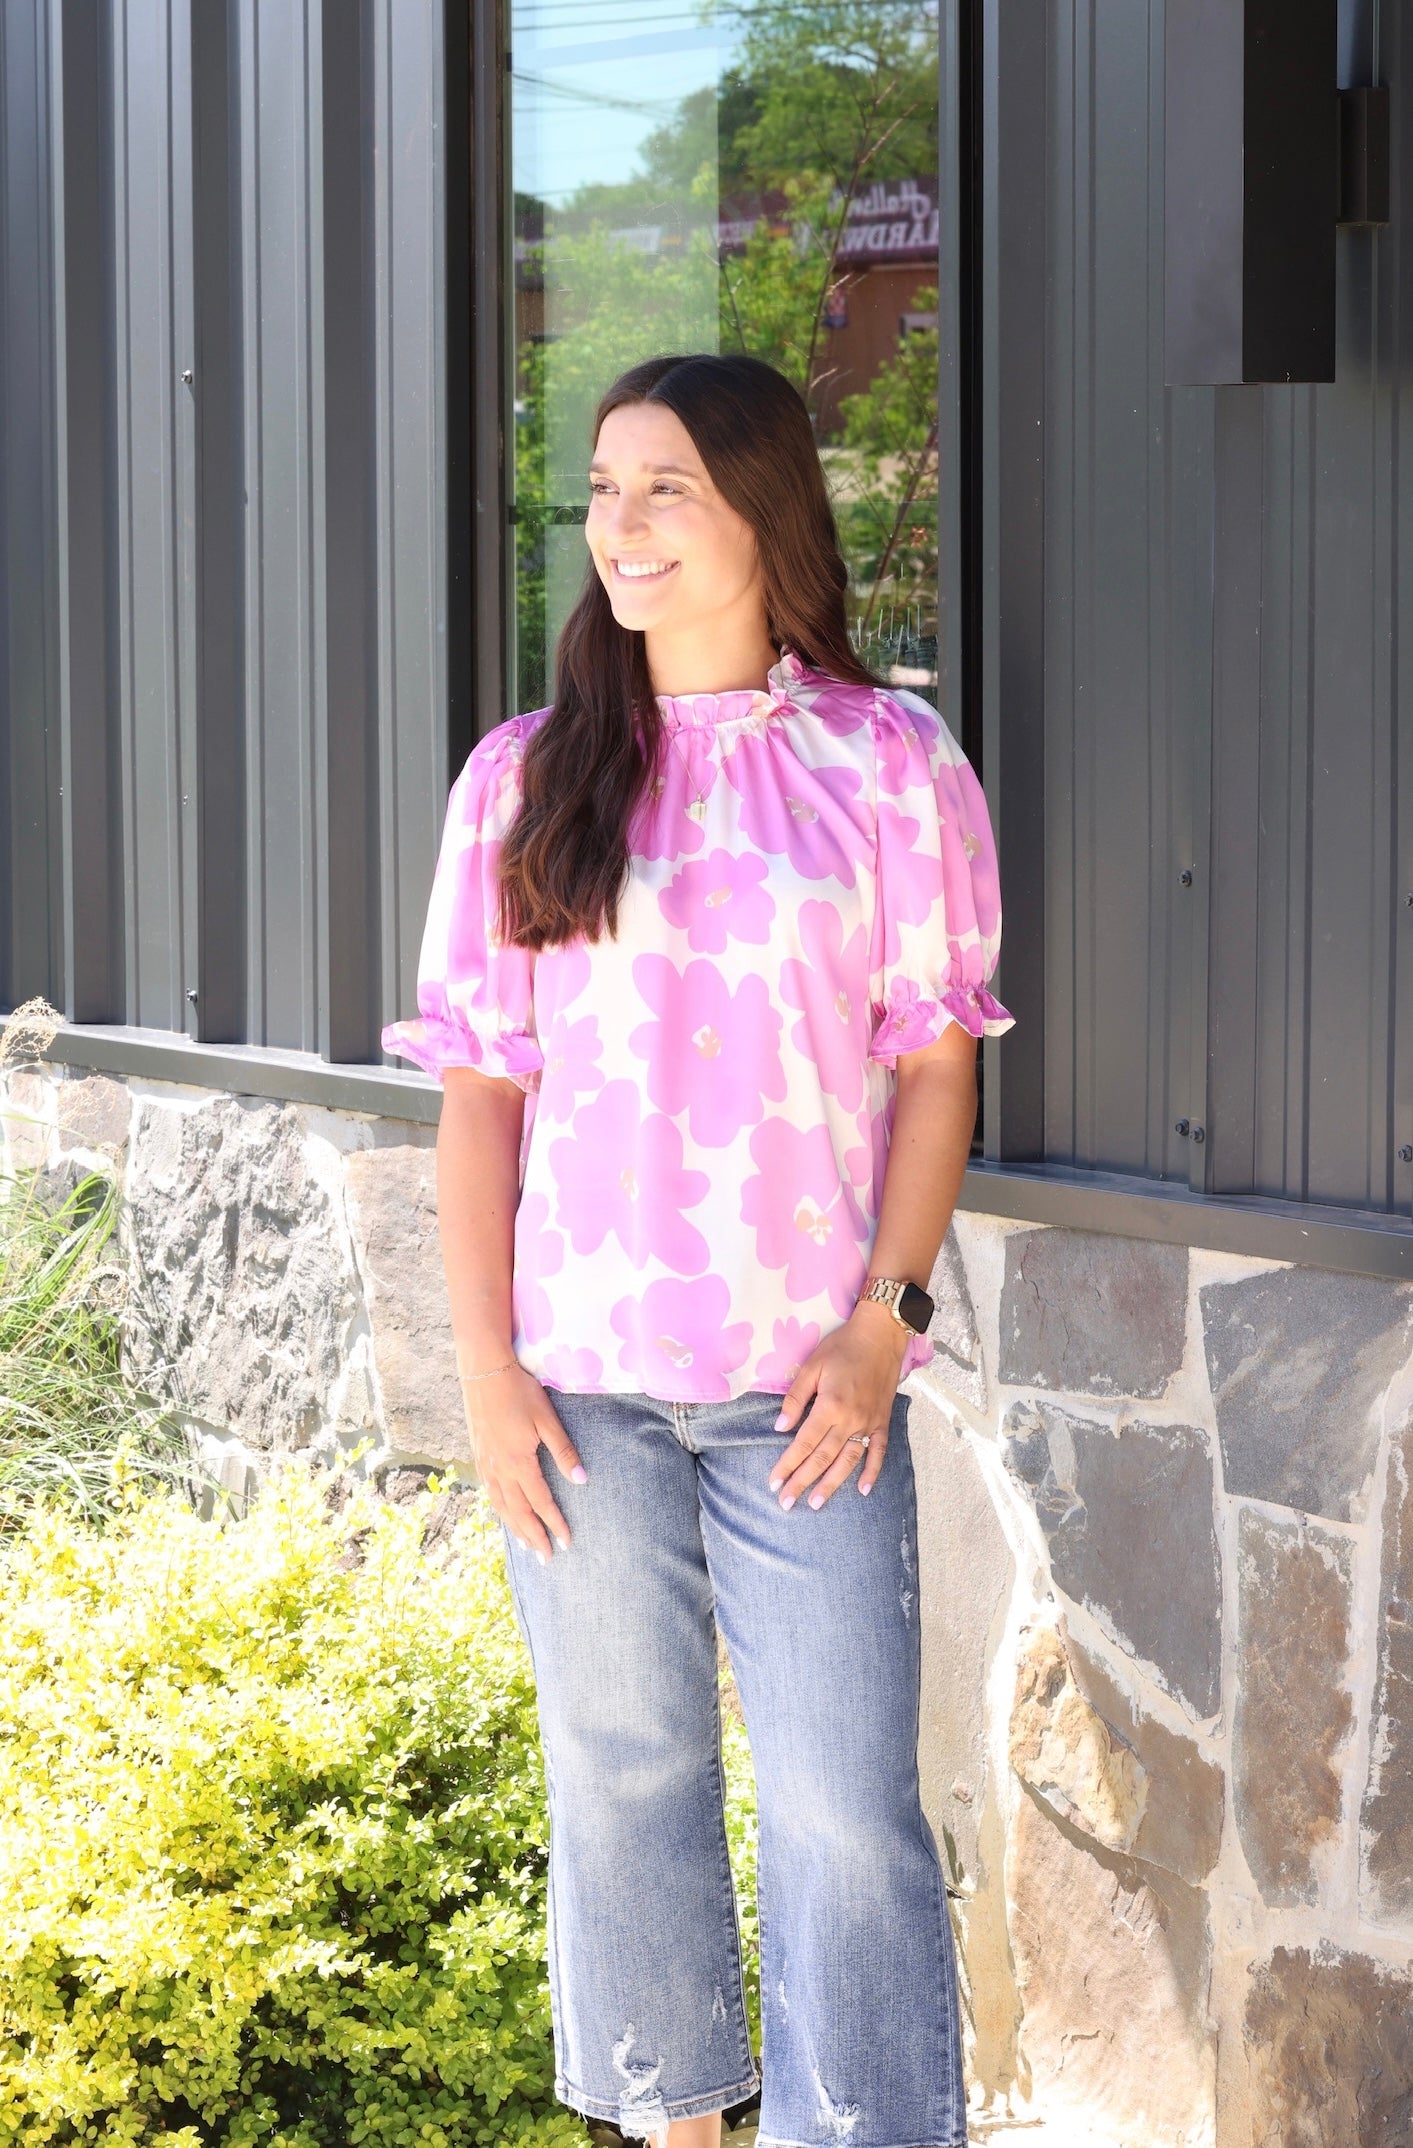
{"x":593,"y":78}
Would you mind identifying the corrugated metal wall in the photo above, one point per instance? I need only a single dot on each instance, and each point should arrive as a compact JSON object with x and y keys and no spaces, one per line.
{"x":1206,"y":592}
{"x":227,"y":458}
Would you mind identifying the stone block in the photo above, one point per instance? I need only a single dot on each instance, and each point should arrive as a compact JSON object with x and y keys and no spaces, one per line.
{"x":28,"y":1115}
{"x":393,"y":1208}
{"x":1329,"y":2041}
{"x":1114,"y":1961}
{"x":93,"y":1112}
{"x":957,"y":1363}
{"x":1067,"y":1753}
{"x":965,"y":1571}
{"x":1129,"y":1518}
{"x":242,"y":1277}
{"x":965,"y":1575}
{"x":1293,"y":1710}
{"x":1388,"y":1797}
{"x":1086,"y":1313}
{"x":1298,"y":1360}
{"x":1181,"y":1824}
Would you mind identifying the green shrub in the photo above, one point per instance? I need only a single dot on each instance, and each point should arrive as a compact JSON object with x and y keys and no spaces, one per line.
{"x":272,"y":1831}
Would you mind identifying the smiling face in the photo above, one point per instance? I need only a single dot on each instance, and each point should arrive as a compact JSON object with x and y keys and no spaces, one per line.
{"x":676,"y":560}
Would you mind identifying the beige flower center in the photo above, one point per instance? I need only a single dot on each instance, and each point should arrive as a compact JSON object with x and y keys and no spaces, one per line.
{"x":811,"y":1219}
{"x":707,"y":1042}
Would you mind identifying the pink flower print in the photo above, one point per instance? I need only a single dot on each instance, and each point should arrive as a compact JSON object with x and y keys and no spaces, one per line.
{"x":539,"y":1253}
{"x":868,"y":1163}
{"x":667,"y":821}
{"x":910,"y":1020}
{"x":676,"y":1341}
{"x":830,"y":987}
{"x":816,"y":816}
{"x":575,"y":1370}
{"x":794,"y":1341}
{"x":570,"y":1049}
{"x":617,"y":1174}
{"x":910,"y":880}
{"x":710,"y":1054}
{"x":806,"y":1220}
{"x":968,"y":854}
{"x":717,"y":898}
{"x":903,"y":740}
{"x":562,"y":973}
{"x":837,"y":707}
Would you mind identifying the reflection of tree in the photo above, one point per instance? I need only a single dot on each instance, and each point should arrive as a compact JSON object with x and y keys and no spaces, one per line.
{"x":821,"y":101}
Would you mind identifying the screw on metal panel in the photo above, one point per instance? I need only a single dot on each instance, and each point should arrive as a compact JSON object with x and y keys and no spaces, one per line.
{"x":1405,"y":1154}
{"x":1199,"y":1133}
{"x":1408,"y":902}
{"x":1180,"y":1127}
{"x":191,"y":995}
{"x":186,"y":376}
{"x":1185,"y":876}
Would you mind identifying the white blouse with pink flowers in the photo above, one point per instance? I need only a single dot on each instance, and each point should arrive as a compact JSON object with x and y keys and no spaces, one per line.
{"x":709,"y":1095}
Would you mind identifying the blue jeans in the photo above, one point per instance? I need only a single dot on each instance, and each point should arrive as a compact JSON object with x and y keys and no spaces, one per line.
{"x":676,"y":1531}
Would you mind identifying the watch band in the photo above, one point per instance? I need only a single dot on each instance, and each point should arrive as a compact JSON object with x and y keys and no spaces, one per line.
{"x":909,"y":1304}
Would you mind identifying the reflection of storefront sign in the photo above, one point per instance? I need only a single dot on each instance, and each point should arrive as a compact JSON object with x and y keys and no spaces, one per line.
{"x":836,"y":307}
{"x":890,"y":220}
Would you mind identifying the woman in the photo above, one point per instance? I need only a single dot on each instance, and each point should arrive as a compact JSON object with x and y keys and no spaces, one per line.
{"x":703,"y":973}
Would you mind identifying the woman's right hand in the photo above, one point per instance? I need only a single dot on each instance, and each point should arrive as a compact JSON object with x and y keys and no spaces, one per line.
{"x":510,"y":1416}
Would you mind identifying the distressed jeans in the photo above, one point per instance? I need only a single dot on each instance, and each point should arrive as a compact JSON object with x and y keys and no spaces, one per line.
{"x":675,"y":1532}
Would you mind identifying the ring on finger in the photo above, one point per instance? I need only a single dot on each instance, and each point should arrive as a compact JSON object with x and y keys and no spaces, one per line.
{"x":858,"y":1439}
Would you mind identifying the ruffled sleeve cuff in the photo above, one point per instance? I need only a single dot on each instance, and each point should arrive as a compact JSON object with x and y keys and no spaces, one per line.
{"x":436,"y":1042}
{"x":914,"y":1019}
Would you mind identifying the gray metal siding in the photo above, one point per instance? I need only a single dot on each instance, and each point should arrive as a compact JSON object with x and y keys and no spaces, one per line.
{"x":1221,"y":583}
{"x":232,"y":638}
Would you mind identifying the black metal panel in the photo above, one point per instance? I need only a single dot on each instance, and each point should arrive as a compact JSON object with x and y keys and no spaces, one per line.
{"x":1227,"y":828}
{"x":1011,"y":657}
{"x":492,"y":332}
{"x":91,"y":896}
{"x":30,"y":827}
{"x":345,"y":709}
{"x":1252,"y":189}
{"x":217,"y":788}
{"x":151,"y":594}
{"x":409,"y":341}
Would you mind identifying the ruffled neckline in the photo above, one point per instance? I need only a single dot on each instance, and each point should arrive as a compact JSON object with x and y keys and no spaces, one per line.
{"x":680,"y":711}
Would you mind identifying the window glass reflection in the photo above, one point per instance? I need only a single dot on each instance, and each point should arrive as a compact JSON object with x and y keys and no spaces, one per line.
{"x":698,"y":175}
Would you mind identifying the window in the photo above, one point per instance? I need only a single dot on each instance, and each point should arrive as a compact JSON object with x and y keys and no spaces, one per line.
{"x":697,"y":176}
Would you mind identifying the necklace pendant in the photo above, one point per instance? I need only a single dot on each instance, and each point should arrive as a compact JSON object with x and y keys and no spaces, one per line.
{"x":697,"y":810}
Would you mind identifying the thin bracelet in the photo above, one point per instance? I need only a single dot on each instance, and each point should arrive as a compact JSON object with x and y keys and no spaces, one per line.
{"x":464,"y":1376}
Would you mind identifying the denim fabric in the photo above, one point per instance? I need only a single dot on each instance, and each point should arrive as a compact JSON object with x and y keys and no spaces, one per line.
{"x":677,"y":1530}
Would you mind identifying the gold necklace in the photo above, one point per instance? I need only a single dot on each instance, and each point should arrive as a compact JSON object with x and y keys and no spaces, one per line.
{"x":696,"y":808}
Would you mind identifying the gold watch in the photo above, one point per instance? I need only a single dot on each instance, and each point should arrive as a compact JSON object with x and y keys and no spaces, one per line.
{"x":910,"y":1306}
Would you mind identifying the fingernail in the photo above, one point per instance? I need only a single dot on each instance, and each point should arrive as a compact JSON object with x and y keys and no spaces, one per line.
{"x":864,"y":1490}
{"x":775,"y":1484}
{"x":542,"y":1556}
{"x":578,"y":1474}
{"x":563,"y":1542}
{"x":788,"y":1501}
{"x":782,"y":1420}
{"x":816,"y":1499}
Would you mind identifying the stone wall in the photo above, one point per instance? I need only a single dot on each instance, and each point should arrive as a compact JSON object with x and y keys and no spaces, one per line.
{"x":1166,"y":1574}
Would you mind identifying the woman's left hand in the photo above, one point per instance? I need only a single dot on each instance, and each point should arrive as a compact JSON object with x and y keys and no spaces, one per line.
{"x":853,"y":1378}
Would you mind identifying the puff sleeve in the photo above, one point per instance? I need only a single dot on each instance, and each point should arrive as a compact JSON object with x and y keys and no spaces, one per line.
{"x":937,"y":918}
{"x":475,"y":996}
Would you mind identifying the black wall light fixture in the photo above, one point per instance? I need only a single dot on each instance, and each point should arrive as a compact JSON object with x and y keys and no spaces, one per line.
{"x":1264,"y":156}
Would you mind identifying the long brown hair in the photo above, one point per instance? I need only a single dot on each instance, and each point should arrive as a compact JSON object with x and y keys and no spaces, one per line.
{"x":564,"y":860}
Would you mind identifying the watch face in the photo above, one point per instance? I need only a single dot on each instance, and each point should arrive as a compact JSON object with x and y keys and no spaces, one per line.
{"x":916,"y":1308}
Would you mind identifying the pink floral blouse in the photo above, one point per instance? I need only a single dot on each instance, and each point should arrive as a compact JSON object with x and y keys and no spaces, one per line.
{"x":709,"y":1096}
